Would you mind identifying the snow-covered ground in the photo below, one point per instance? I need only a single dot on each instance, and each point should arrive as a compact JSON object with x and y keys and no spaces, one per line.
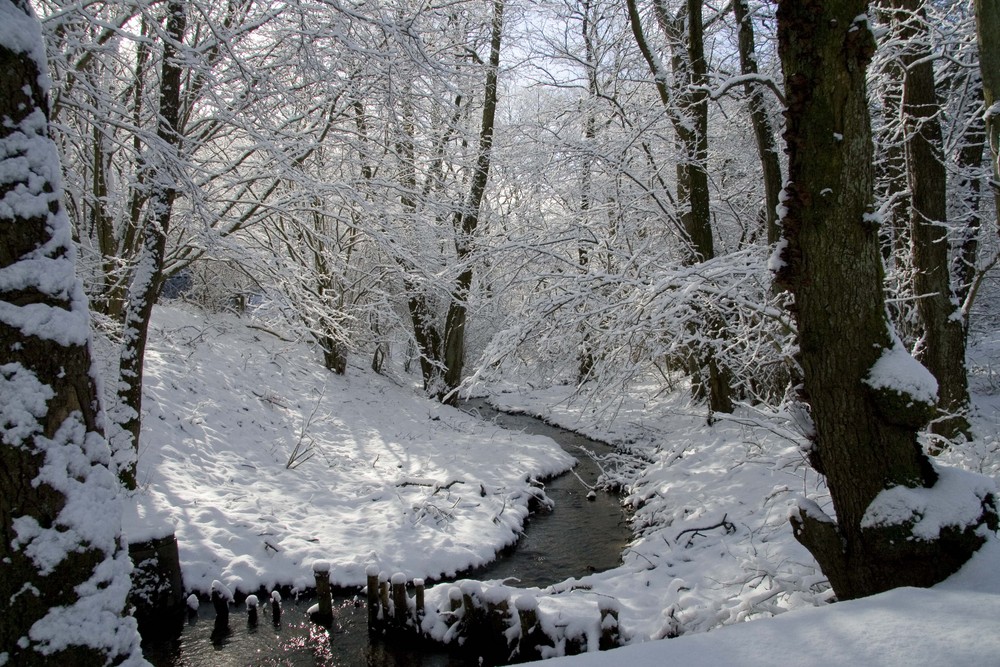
{"x":400,"y":482}
{"x":382,"y":476}
{"x":747,"y":470}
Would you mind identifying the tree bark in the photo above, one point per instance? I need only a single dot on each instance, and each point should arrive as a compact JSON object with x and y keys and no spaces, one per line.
{"x":942,"y":345}
{"x":148,"y":274}
{"x":865,"y":438}
{"x":63,"y":577}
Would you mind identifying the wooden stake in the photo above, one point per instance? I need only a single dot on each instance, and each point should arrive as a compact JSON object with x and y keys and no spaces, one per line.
{"x":418,"y":586}
{"x":372,"y":574}
{"x":321,"y":570}
{"x":399,"y":599}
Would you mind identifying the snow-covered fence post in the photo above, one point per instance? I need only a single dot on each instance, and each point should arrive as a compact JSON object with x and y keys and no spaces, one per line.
{"x":455,"y":600}
{"x":383,"y":595}
{"x":399,"y":600}
{"x":371,"y":572}
{"x":276,"y":608}
{"x":418,"y":587}
{"x":221,"y":596}
{"x":252,"y":604}
{"x":471,"y":594}
{"x":610,"y":635}
{"x":497,"y":611}
{"x":324,"y":615}
{"x":527,"y":613}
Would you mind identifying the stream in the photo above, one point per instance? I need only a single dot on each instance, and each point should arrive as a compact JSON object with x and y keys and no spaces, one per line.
{"x":578,"y":537}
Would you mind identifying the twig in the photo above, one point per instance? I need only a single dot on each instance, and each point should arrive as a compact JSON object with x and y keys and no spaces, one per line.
{"x":730,"y":528}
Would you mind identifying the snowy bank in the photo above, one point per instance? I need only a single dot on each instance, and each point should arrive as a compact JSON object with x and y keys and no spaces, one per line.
{"x":265,"y":462}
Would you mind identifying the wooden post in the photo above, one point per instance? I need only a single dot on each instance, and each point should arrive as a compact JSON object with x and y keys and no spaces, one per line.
{"x":399,"y":600}
{"x":471,"y":594}
{"x":418,"y":586}
{"x":371,"y":572}
{"x":321,"y":570}
{"x":220,"y":600}
{"x":527,"y":613}
{"x":455,"y":597}
{"x":497,"y":610}
{"x":383,"y":595}
{"x":252,"y":604}
{"x":610,"y":635}
{"x":276,"y":608}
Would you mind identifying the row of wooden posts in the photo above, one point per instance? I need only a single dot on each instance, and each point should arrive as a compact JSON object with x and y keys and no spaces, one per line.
{"x":483,"y":618}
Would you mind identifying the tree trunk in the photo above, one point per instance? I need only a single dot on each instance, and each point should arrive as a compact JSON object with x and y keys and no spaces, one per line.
{"x":865,"y":431}
{"x":988,"y":37}
{"x":942,"y":345}
{"x":63,"y":572}
{"x":586,"y":242}
{"x":709,"y":380}
{"x":767,"y":148}
{"x":467,"y":220}
{"x":970,"y":194}
{"x":148,"y":273}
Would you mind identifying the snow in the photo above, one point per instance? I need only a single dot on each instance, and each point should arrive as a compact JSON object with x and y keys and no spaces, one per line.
{"x":395,"y":485}
{"x":956,"y":500}
{"x":397,"y":482}
{"x":756,"y":591}
{"x":897,"y":371}
{"x":897,"y":629}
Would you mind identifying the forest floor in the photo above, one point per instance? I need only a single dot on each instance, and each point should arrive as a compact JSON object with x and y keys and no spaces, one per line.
{"x":263,"y":462}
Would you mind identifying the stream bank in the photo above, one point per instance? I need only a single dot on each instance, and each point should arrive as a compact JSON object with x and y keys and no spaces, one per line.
{"x":579,"y":537}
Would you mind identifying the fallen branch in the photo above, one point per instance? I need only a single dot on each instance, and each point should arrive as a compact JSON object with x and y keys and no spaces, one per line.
{"x":729,"y":526}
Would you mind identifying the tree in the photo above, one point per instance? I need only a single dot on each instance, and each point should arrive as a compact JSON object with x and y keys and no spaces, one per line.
{"x":689,"y":116}
{"x":767,"y":149}
{"x":148,"y":273}
{"x":865,"y":417}
{"x":942,"y":344}
{"x":988,"y":37}
{"x":466,"y":219}
{"x":63,"y":567}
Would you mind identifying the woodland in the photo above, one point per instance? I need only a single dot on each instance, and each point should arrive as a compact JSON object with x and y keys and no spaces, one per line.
{"x":783,"y":209}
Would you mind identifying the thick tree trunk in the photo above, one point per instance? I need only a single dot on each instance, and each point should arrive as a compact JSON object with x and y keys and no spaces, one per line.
{"x":942,"y":345}
{"x":148,"y":273}
{"x":865,"y":430}
{"x":63,"y":572}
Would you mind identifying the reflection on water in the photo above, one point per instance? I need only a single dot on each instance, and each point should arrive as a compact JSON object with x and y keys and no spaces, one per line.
{"x":295,"y":640}
{"x":581,"y":536}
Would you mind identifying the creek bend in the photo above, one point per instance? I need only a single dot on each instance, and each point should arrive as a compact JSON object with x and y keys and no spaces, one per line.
{"x":578,"y":537}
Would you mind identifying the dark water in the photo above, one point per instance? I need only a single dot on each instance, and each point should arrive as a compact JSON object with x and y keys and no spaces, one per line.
{"x":579,"y":537}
